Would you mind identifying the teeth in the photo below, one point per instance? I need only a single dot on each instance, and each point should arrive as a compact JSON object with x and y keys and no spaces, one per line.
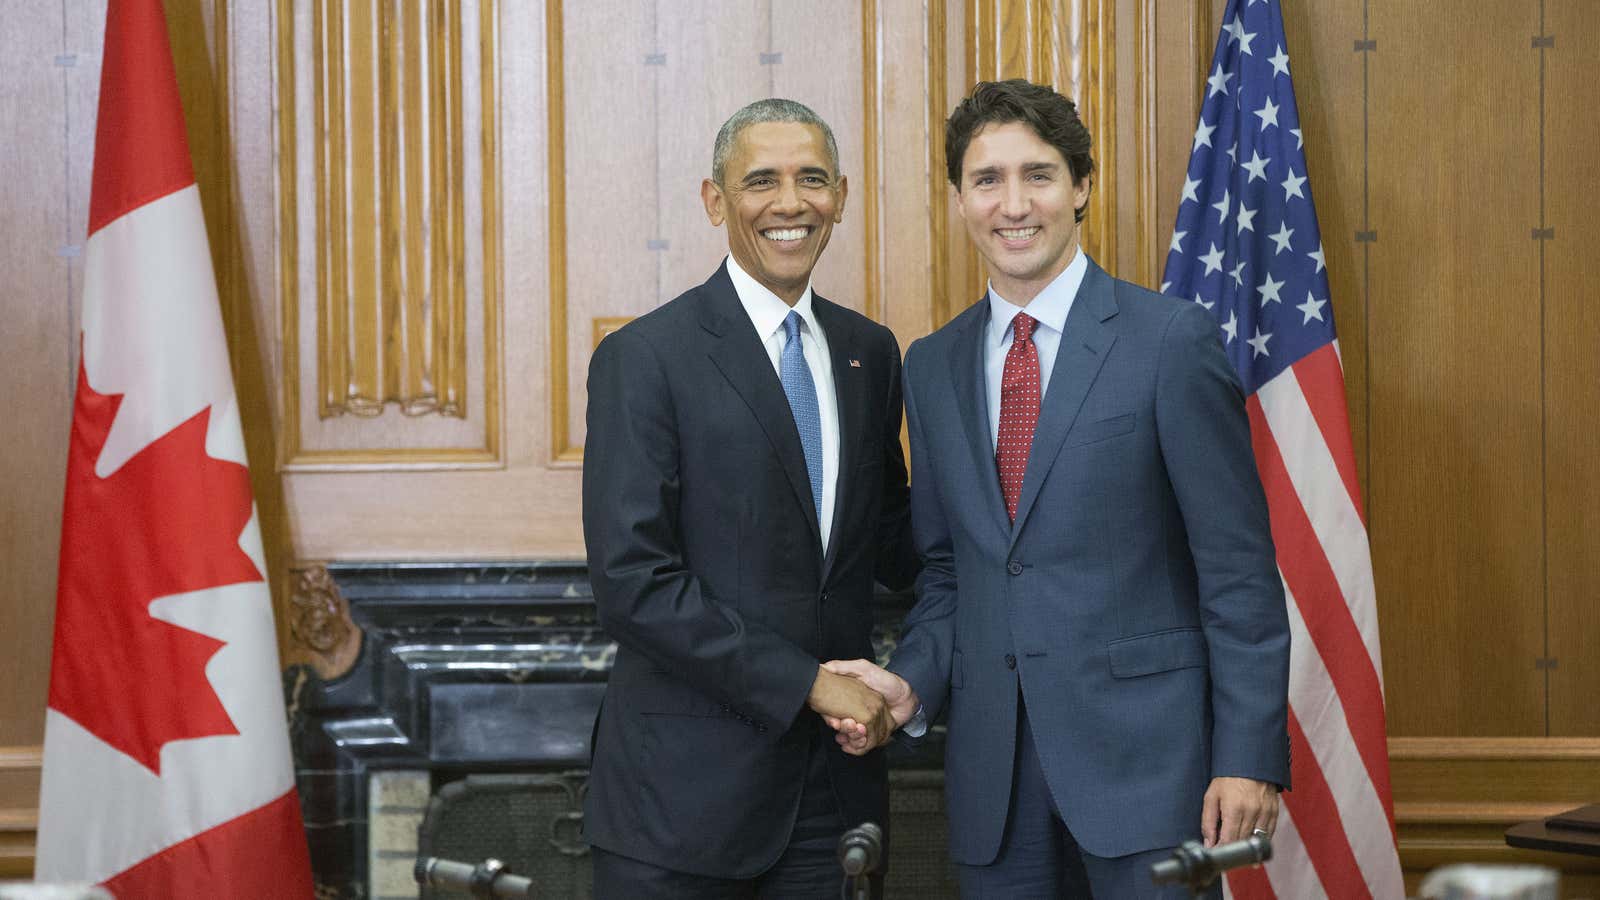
{"x":1018,"y":234}
{"x":785,"y":234}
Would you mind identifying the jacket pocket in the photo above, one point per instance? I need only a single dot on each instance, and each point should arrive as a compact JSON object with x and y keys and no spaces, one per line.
{"x":1103,"y":429}
{"x":1161,"y":651}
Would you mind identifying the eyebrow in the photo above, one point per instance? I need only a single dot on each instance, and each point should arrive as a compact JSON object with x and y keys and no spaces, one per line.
{"x":1026,"y":167}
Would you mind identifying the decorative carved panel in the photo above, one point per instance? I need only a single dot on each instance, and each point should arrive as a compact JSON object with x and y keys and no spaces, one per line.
{"x":388,"y":206}
{"x":322,"y":634}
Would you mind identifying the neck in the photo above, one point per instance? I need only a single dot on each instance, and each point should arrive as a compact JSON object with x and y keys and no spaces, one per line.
{"x":1021,"y":291}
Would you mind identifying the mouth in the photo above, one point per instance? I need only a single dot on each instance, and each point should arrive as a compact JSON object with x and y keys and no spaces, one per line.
{"x":1017,"y":237}
{"x":787,"y":238}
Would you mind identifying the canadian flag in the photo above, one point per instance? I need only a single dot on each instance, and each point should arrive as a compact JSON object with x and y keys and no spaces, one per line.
{"x":167,"y":770}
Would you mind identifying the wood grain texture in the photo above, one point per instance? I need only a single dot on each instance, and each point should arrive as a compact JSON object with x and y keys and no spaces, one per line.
{"x":388,"y":194}
{"x":646,"y":66}
{"x":40,"y":352}
{"x":1455,"y":477}
{"x":1571,"y":271}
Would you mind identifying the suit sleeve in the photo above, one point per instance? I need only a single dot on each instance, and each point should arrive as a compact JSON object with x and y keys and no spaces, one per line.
{"x":1204,"y":432}
{"x":645,"y":595}
{"x":927,"y":636}
{"x":897,"y":556}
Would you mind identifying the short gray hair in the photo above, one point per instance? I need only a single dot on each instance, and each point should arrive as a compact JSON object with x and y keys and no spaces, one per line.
{"x":772,"y":109}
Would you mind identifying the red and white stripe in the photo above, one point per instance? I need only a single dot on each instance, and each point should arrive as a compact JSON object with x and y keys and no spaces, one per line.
{"x":220,"y":815}
{"x":1336,"y":834}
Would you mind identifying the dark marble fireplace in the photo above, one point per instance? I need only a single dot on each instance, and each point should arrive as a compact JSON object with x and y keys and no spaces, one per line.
{"x":451,"y":683}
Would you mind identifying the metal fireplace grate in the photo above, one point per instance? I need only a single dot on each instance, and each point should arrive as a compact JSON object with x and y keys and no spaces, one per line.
{"x":529,"y":822}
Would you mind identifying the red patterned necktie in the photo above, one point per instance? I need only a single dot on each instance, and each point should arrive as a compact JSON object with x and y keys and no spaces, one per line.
{"x":1019,"y":410}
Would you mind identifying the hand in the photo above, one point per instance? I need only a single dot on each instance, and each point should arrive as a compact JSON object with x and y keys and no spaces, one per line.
{"x":1235,"y":807}
{"x":852,"y":736}
{"x":839,"y":698}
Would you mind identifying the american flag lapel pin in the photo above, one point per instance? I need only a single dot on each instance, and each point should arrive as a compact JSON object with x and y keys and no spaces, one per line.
{"x":855,"y":363}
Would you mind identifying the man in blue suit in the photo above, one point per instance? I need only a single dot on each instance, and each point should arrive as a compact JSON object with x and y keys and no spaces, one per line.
{"x":1100,"y":610}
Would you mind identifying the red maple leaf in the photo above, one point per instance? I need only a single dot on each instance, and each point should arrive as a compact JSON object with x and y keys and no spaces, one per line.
{"x":166,"y":522}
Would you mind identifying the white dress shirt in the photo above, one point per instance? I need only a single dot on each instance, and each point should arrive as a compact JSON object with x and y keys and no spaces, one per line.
{"x":1050,"y":310}
{"x":767,"y":312}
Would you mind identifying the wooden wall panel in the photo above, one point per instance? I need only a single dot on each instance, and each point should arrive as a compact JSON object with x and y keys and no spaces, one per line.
{"x":1455,"y":797}
{"x":42,"y":199}
{"x":649,"y":79}
{"x":1570,"y":133}
{"x":389,"y":215}
{"x":1455,"y":470}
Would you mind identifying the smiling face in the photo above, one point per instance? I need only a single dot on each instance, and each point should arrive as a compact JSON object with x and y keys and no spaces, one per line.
{"x":1018,"y":200}
{"x":780,"y":199}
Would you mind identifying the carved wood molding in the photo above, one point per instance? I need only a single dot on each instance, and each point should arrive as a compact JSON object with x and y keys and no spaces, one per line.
{"x":393,"y":173}
{"x":19,"y":808}
{"x":321,"y":632}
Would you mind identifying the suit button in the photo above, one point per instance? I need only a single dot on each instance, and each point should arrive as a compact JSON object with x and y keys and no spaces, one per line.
{"x":1011,"y":661}
{"x":825,"y":596}
{"x":1014,"y":567}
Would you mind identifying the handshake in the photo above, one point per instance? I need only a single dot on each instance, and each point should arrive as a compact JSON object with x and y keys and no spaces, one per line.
{"x":861,"y":701}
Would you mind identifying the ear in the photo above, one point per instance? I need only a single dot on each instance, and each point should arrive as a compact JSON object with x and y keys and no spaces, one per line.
{"x":1080,"y":193}
{"x":711,"y":196}
{"x":960,"y":201}
{"x":844,"y":192}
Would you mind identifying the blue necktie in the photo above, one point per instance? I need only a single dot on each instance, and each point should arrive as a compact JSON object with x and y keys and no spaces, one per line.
{"x":802,"y":393}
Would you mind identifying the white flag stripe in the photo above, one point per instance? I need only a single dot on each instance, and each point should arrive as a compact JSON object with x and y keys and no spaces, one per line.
{"x":1326,"y":502}
{"x":1322,"y":718}
{"x":1290,"y":871}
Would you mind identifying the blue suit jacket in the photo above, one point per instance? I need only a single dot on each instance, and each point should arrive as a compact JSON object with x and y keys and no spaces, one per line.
{"x":1136,"y":599}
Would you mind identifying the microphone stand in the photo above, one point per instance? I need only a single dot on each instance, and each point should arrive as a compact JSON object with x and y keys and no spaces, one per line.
{"x":860,"y":855}
{"x":1195,"y":867}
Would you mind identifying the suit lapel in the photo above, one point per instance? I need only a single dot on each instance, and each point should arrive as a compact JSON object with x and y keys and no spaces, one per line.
{"x":738,"y":353}
{"x":1085,"y":343}
{"x":851,"y":399}
{"x":972,"y":399}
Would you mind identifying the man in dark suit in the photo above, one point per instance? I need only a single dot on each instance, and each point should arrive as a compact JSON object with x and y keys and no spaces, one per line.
{"x":743,"y":486}
{"x":1099,"y":610}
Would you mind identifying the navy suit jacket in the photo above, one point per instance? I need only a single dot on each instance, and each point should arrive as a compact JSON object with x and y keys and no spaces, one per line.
{"x":707,"y":567}
{"x":1135,"y":601}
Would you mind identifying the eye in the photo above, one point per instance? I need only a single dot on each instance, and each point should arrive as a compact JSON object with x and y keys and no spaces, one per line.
{"x":984,"y":181}
{"x":759,"y":184}
{"x":1039,"y":177}
{"x":814,"y":181}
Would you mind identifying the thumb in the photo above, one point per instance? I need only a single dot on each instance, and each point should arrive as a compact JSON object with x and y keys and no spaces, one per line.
{"x":854,"y":668}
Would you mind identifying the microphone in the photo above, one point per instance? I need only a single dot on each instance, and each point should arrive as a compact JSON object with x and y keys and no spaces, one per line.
{"x":861,"y":849}
{"x":486,"y":879}
{"x":1194,"y":865}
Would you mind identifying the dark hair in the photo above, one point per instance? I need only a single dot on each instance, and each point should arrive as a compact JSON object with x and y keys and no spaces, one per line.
{"x":1051,"y":116}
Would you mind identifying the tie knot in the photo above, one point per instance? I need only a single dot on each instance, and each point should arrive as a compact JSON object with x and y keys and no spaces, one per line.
{"x":791,"y":325}
{"x":1022,"y":327}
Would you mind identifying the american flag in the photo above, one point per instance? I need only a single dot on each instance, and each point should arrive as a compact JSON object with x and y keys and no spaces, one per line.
{"x":1247,"y":248}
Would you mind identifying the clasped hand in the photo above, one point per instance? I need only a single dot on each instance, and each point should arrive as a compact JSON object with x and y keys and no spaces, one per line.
{"x":862,"y":702}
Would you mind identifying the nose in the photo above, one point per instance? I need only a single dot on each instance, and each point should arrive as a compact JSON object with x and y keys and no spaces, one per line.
{"x":788,"y":199}
{"x":1014,"y":201}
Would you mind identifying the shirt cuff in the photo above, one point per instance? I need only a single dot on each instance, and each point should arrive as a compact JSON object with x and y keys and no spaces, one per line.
{"x":917,"y":725}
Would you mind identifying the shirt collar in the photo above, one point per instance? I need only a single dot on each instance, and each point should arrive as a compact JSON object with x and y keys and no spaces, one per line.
{"x":1049,"y":308}
{"x":766,"y":309}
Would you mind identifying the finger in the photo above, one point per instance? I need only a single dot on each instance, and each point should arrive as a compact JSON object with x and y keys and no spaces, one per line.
{"x":1209,"y":812}
{"x":1236,"y":813}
